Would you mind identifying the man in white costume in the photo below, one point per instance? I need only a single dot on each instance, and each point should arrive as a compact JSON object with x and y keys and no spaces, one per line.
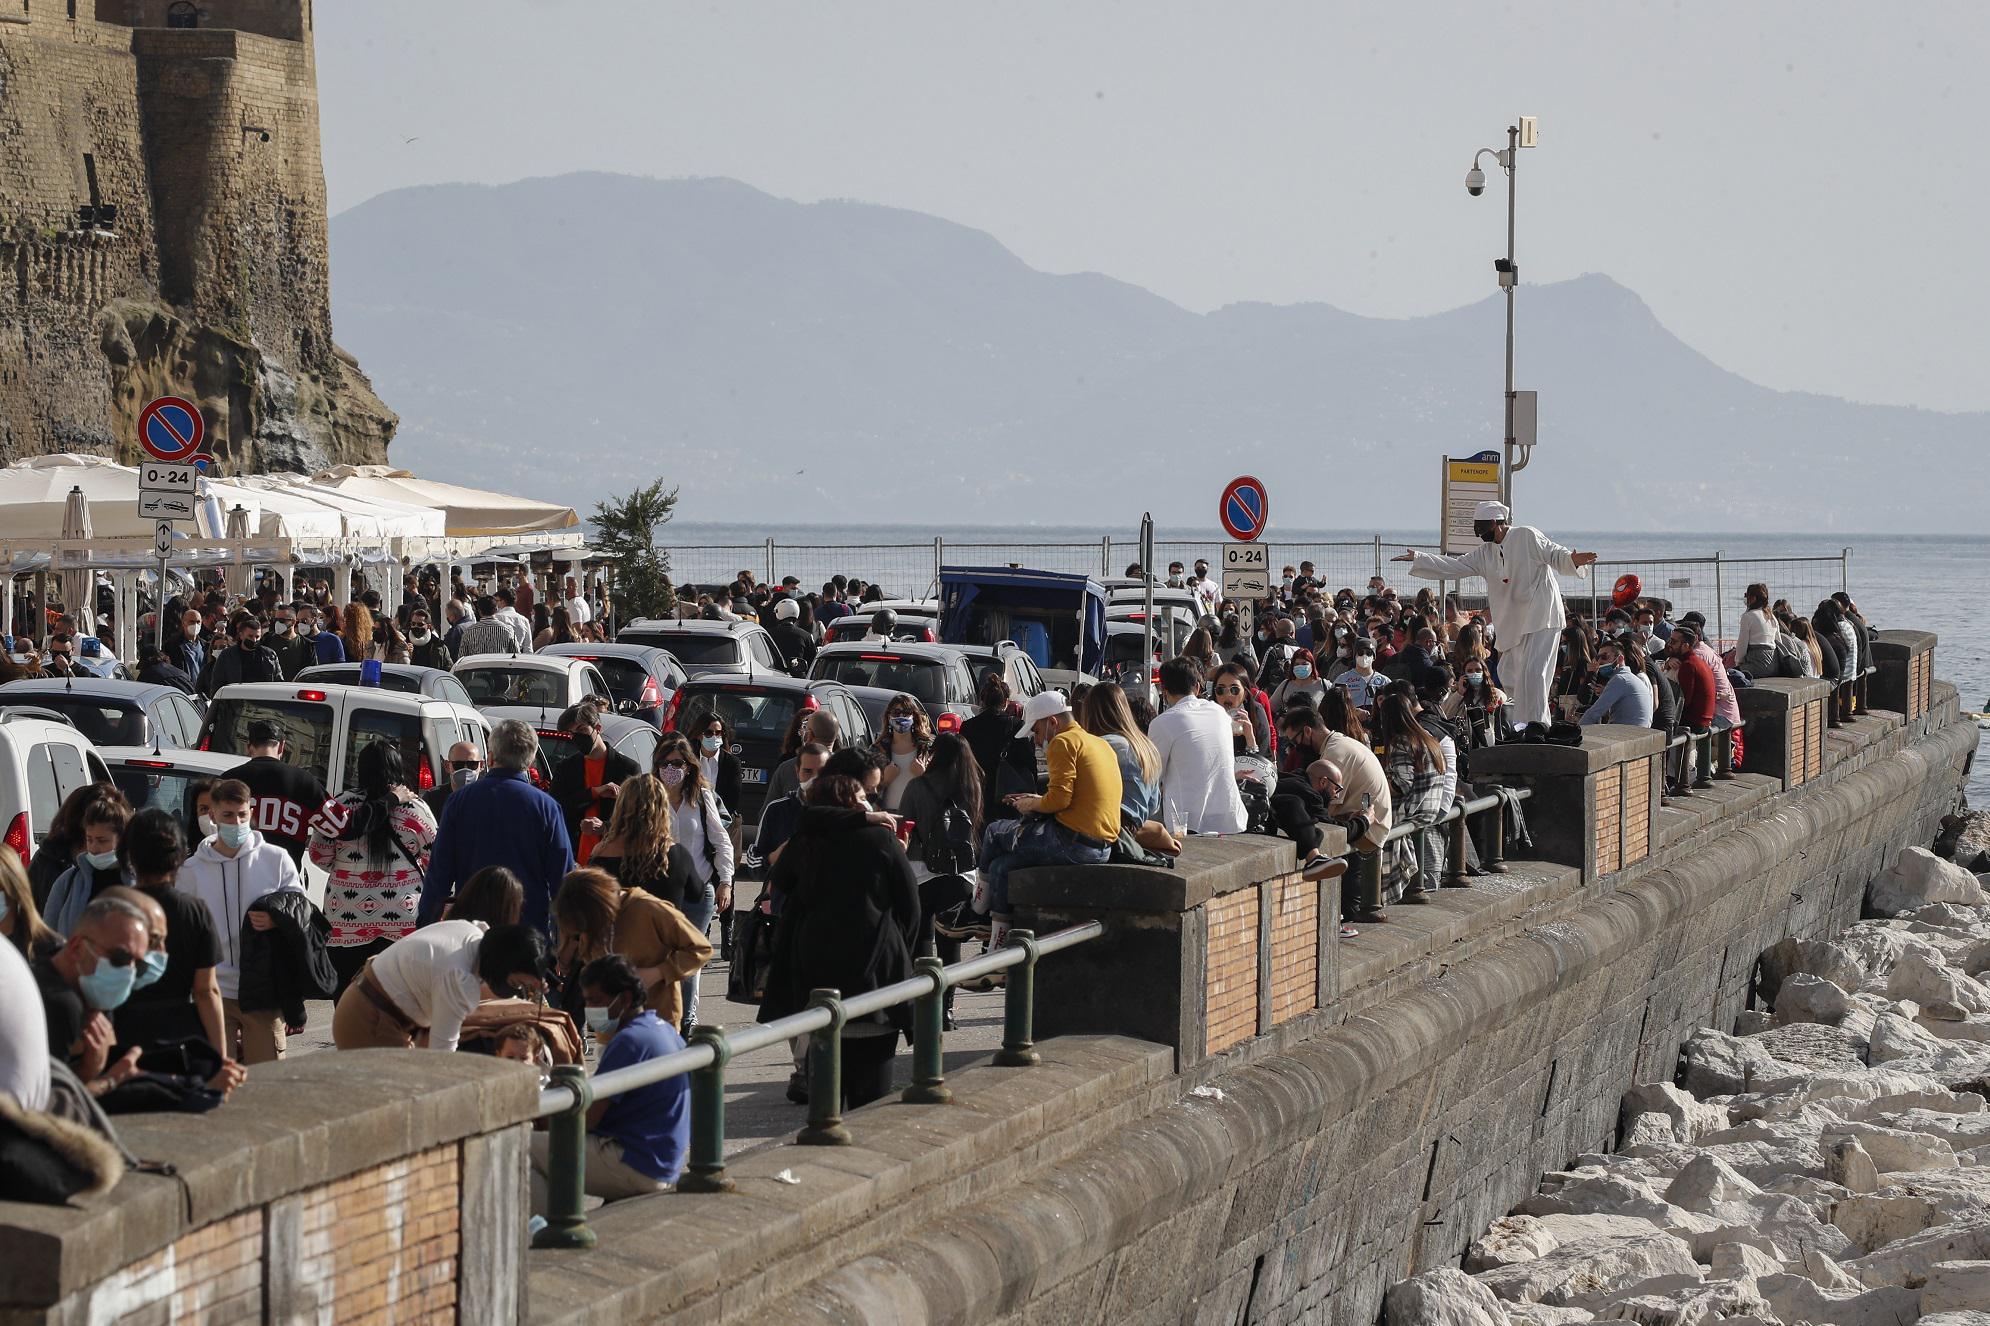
{"x":1519,"y":565}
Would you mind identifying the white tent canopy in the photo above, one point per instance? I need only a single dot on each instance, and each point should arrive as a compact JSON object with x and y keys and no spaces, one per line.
{"x":467,"y":511}
{"x":357,"y":517}
{"x":33,"y":494}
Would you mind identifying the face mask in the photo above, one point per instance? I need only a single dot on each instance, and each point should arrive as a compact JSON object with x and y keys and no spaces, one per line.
{"x":801,"y":787}
{"x":901,"y":723}
{"x":420,"y":637}
{"x":1606,"y":672}
{"x":672,"y":776}
{"x":150,"y":968}
{"x":600,"y":1021}
{"x":308,"y":629}
{"x":279,"y":628}
{"x":206,"y":825}
{"x":1302,"y":670}
{"x":100,"y":860}
{"x":462,"y":778}
{"x":1364,"y":662}
{"x":232,"y":835}
{"x":107,"y":987}
{"x":711,"y":745}
{"x":1643,"y":632}
{"x":1475,"y":678}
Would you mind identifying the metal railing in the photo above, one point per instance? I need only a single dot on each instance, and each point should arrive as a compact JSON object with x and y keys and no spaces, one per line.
{"x":1704,"y":584}
{"x":1367,"y":866}
{"x":567,"y":1100}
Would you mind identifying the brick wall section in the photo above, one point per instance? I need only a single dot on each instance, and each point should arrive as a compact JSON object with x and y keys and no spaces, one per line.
{"x":1814,"y":725}
{"x":1295,"y":947}
{"x":1231,"y":984}
{"x":1609,"y":819}
{"x":1637,"y":810}
{"x":385,"y":1239}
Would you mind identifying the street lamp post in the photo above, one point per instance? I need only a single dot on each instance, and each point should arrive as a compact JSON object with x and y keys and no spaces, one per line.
{"x":1519,"y":450}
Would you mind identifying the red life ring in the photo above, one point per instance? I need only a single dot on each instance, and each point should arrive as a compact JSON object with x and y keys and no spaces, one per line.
{"x":1629,"y":587}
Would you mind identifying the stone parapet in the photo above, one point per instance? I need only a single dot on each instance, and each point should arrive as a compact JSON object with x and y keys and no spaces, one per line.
{"x":1594,"y":806}
{"x":1905,"y":673}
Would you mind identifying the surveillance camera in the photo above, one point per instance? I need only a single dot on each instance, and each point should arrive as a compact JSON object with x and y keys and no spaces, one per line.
{"x":1475,"y":181}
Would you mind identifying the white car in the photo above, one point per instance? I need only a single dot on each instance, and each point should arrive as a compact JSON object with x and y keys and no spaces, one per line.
{"x":42,"y":760}
{"x":540,"y":681}
{"x":325,"y":726}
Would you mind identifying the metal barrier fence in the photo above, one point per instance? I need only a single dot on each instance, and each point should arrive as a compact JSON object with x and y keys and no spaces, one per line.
{"x":566,"y":1102}
{"x":1711,"y":585}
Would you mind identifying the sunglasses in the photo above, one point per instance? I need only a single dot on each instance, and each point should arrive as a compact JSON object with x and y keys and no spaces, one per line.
{"x":455,"y":765}
{"x":675,"y":764}
{"x":117,"y":957}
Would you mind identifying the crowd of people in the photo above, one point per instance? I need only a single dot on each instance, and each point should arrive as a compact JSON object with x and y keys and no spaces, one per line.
{"x":168,"y":961}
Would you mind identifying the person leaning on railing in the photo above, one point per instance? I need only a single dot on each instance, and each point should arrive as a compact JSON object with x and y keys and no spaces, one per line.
{"x":637,"y":1138}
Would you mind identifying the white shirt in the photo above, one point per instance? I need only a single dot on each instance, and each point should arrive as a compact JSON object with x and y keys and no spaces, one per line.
{"x":687,"y":826}
{"x":521,"y":630}
{"x":1756,"y":629}
{"x":1520,"y":579}
{"x":431,"y":975}
{"x":23,"y":1032}
{"x":228,"y":885}
{"x":578,"y":612}
{"x":1198,"y":771}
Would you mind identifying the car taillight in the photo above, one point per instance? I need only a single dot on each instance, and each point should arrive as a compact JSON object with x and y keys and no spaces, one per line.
{"x":311,"y":695}
{"x":652,"y":694}
{"x":533,"y":774}
{"x":424,"y":776}
{"x":809,"y":701}
{"x":150,"y":764}
{"x":17,"y":836}
{"x":928,"y":636}
{"x":949,"y":722}
{"x":1015,"y":709}
{"x":670,"y":714}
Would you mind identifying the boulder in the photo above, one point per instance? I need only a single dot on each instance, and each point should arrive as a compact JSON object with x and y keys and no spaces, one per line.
{"x":1831,"y":1088}
{"x":1712,"y":1063}
{"x":1814,"y":1045}
{"x":1751,"y":1020}
{"x":1690,"y":1119}
{"x":1918,"y":878}
{"x":1875,"y":946}
{"x":1814,"y":957}
{"x":1923,"y":976}
{"x":1648,"y":1130}
{"x":1895,"y":1037}
{"x":1591,"y":1266}
{"x":1907,"y":1260}
{"x":1828,"y":1274}
{"x":1690,"y":1303}
{"x":1797,"y":1298}
{"x":1897,"y":1151}
{"x":1950,"y":916}
{"x":1742,"y":1261}
{"x":1873,"y":1221}
{"x":1706,"y":1183}
{"x":1510,"y":1239}
{"x":1949,"y":1023}
{"x":1785,"y":1227}
{"x":1850,"y":1165}
{"x":1964,"y":1317}
{"x":1541,"y":1314}
{"x":1599,"y":1194}
{"x":1956,"y":1286}
{"x":1807,"y":998}
{"x":1442,"y":1297}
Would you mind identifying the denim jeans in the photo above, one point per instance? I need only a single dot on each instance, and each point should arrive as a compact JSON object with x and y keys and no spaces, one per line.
{"x":699,"y":914}
{"x":1041,"y":842}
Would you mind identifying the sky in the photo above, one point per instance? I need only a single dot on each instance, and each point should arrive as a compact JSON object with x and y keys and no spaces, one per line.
{"x":1797,"y":190}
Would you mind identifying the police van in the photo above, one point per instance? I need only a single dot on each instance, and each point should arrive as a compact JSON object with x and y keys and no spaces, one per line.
{"x":325,"y":726}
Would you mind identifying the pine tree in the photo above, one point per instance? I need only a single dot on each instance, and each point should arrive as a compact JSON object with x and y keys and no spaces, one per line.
{"x":625,"y":528}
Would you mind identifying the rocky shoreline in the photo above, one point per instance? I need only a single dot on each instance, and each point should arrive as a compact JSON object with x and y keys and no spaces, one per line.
{"x":1828,"y":1163}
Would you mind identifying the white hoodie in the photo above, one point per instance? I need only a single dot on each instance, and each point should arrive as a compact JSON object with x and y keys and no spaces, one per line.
{"x":228,"y":885}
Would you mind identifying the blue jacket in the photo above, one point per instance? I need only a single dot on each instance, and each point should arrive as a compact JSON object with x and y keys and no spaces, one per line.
{"x":499,"y":820}
{"x":331,"y":647}
{"x":1626,"y":699}
{"x":73,"y":891}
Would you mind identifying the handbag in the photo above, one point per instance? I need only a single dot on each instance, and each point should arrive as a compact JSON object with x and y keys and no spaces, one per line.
{"x":752,"y":955}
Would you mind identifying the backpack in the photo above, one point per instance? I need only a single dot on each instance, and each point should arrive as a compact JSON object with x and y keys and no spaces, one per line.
{"x":1276,"y":668}
{"x":1791,"y":655}
{"x":948,"y":847}
{"x":1257,"y":807}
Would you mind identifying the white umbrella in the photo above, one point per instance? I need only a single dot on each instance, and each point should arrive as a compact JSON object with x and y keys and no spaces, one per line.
{"x":34,"y":498}
{"x":238,"y":528}
{"x":78,"y":583}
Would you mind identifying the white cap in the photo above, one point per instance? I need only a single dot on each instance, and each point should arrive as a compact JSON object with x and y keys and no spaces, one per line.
{"x":1491,"y":511}
{"x":1042,"y":705}
{"x":787,"y":610}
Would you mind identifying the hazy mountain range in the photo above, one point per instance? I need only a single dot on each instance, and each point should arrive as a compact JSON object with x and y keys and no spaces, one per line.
{"x":838,"y":361}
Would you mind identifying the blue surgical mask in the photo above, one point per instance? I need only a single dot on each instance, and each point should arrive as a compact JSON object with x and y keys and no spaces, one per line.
{"x":150,"y":968}
{"x":1302,"y":670}
{"x":712,"y":744}
{"x":901,"y":723}
{"x":100,"y":860}
{"x":600,"y":1021}
{"x":232,"y":835}
{"x":1606,"y":672}
{"x":107,"y":987}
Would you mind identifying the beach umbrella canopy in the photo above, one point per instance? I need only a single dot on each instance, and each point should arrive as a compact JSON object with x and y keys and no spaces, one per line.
{"x":78,"y":584}
{"x":468,"y":512}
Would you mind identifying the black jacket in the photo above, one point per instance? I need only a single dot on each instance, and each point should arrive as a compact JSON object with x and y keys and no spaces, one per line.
{"x":235,"y":664}
{"x":570,"y":786}
{"x":991,"y":735}
{"x":849,"y":914}
{"x":797,"y":649}
{"x":430,"y":653}
{"x":284,"y":966}
{"x":163,"y":673}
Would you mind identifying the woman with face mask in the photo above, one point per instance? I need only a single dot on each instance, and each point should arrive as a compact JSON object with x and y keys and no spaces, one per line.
{"x":100,"y":828}
{"x":696,"y":822}
{"x":1362,"y":681}
{"x":715,"y":758}
{"x":1304,"y":683}
{"x":906,"y":745}
{"x":598,"y":915}
{"x":639,"y":849}
{"x":376,"y":861}
{"x":636,"y":1141}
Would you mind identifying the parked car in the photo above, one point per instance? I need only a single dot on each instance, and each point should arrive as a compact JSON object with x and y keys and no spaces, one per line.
{"x":112,"y":713}
{"x":165,"y":778}
{"x":1006,"y":658}
{"x":855,"y":626}
{"x":1173,"y":624}
{"x":876,"y":700}
{"x":937,"y":676}
{"x":326,"y":726}
{"x":758,"y":712}
{"x":43,"y":758}
{"x":705,"y":649}
{"x":641,"y":677}
{"x":1058,"y":619}
{"x":631,"y":736}
{"x":435,"y":683}
{"x":531,"y":680}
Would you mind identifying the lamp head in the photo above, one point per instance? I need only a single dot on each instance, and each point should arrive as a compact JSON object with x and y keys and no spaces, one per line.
{"x":1475,"y":181}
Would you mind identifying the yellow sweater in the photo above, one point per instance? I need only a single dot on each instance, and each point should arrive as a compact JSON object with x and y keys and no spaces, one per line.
{"x":1084,"y":784}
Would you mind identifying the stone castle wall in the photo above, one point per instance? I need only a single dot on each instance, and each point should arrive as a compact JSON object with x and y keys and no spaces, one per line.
{"x":214,"y":283}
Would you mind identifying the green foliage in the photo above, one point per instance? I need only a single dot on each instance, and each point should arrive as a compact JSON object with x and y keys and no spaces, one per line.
{"x":625,"y":529}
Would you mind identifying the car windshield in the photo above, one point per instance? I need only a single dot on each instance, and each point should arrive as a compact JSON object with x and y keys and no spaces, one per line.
{"x":752,"y":715}
{"x":523,"y":686}
{"x":923,"y":679}
{"x":625,"y":676}
{"x":306,"y":726}
{"x":104,"y":722}
{"x":389,"y":681}
{"x":693,"y":650}
{"x":171,"y":790}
